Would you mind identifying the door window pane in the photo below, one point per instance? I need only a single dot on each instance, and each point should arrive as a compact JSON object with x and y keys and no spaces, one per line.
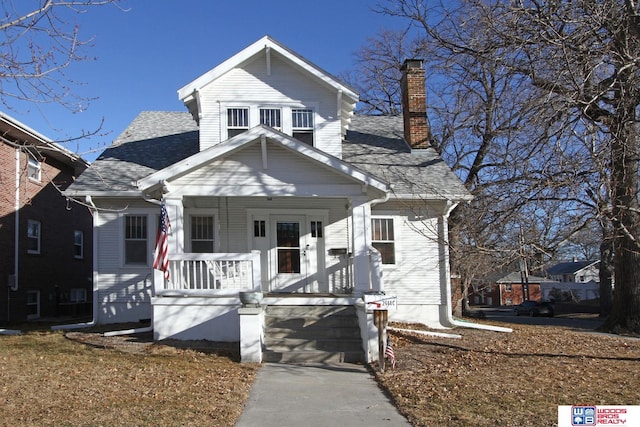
{"x":288,"y":243}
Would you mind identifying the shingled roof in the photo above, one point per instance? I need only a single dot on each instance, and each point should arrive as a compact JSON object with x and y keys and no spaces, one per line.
{"x":374,"y":144}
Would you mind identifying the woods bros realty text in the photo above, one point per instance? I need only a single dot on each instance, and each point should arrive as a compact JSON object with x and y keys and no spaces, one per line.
{"x":591,"y":415}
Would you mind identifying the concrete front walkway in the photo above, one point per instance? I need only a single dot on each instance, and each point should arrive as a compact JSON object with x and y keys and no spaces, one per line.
{"x":343,"y":395}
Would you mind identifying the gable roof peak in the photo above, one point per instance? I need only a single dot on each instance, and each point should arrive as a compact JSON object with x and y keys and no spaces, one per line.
{"x":268,"y":43}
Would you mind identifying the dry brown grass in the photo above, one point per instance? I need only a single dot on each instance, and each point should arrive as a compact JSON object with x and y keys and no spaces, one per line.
{"x":49,"y":380}
{"x":509,"y":379}
{"x":484,"y":379}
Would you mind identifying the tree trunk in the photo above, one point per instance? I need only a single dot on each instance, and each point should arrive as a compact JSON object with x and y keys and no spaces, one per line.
{"x":625,"y":314}
{"x":606,"y":274}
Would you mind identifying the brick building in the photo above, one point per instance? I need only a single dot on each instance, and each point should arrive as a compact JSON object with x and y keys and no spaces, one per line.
{"x":45,"y":240}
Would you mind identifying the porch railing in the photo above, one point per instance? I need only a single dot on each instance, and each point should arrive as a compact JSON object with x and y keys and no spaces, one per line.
{"x":211,"y":273}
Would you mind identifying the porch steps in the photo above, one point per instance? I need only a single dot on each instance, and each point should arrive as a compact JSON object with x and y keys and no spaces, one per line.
{"x":312,"y":334}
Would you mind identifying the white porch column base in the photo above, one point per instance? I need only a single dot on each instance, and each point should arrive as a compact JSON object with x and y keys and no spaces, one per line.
{"x":368,"y":332}
{"x":361,"y":216}
{"x":251,"y":319}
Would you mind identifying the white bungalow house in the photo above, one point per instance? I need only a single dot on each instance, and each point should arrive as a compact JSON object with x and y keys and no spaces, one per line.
{"x":271,"y":184}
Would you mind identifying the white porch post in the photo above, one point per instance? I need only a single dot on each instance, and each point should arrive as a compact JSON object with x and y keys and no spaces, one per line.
{"x":361,"y":218}
{"x":175,"y":209}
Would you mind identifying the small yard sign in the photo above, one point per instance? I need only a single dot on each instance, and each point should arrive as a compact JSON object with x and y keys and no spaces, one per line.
{"x":381,"y":302}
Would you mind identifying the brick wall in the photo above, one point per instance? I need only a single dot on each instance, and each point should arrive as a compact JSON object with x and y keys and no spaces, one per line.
{"x":414,"y":104}
{"x":54,"y":271}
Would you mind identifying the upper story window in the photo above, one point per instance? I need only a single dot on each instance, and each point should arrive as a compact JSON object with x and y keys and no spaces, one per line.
{"x":33,"y":237}
{"x":237,"y":121}
{"x":135,"y":239}
{"x":78,"y":244}
{"x":297,"y":121}
{"x":302,"y":124}
{"x":271,"y":117}
{"x":383,"y":239}
{"x":34,"y":168}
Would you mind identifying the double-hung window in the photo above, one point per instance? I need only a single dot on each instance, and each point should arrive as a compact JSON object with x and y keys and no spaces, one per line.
{"x":135,"y":240}
{"x":202,"y":234}
{"x":78,"y":244}
{"x":302,"y":124}
{"x":383,"y":239}
{"x":33,"y":237}
{"x":237,"y":121}
{"x":271,"y":117}
{"x":34,"y":168}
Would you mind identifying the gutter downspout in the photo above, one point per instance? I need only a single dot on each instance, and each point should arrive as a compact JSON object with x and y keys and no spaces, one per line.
{"x":94,"y":320}
{"x":449,"y":316}
{"x":16,"y":236}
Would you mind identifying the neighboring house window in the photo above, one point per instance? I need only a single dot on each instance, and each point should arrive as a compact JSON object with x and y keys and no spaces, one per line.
{"x":135,"y":239}
{"x":237,"y":121}
{"x":507,"y":288}
{"x":271,"y":117}
{"x":383,"y":239}
{"x":34,"y":169}
{"x":33,"y":237}
{"x":302,"y":125}
{"x":202,"y":234}
{"x":78,"y":295}
{"x":33,"y":304}
{"x":78,"y":244}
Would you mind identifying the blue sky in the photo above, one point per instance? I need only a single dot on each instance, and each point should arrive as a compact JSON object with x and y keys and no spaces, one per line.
{"x":145,"y":54}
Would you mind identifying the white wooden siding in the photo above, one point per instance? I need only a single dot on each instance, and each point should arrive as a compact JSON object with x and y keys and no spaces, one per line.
{"x":123,"y":291}
{"x":285,"y":86}
{"x":415,"y":278}
{"x":242,"y":173}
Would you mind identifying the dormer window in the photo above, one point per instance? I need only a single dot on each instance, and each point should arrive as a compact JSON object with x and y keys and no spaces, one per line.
{"x":237,"y":121}
{"x":302,"y":124}
{"x":271,"y":117}
{"x":297,"y":121}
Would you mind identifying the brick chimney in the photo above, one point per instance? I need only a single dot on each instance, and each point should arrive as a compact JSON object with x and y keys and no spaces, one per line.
{"x":414,"y":104}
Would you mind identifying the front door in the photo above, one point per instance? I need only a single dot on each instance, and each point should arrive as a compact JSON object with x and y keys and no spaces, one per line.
{"x":290,"y":255}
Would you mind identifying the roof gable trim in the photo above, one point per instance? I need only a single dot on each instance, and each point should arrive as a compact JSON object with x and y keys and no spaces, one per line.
{"x":266,"y":42}
{"x":257,"y":134}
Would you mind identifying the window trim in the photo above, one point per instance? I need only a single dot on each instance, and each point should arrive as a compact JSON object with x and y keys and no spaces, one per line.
{"x":34,"y":167}
{"x":147,"y":239}
{"x":189,"y":213}
{"x":38,"y":237}
{"x":79,"y":245}
{"x":73,"y":298}
{"x":236,"y":128}
{"x":304,"y":130}
{"x":393,"y":241}
{"x":286,"y":118}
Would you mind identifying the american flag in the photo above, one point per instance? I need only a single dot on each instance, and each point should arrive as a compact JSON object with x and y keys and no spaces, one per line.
{"x":388,"y":353}
{"x":161,"y":259}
